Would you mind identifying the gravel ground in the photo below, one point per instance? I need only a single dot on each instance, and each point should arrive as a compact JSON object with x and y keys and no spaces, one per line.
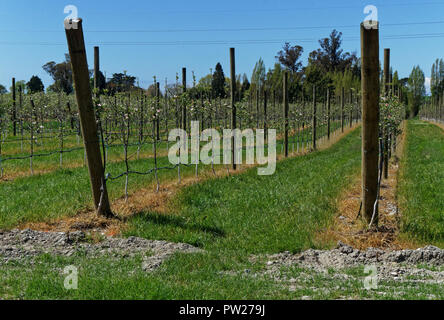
{"x":400,"y":266}
{"x":391,"y":265}
{"x":19,"y":245}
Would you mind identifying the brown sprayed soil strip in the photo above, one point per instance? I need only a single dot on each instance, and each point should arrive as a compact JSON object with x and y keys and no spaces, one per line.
{"x":352,"y":230}
{"x":147,"y":199}
{"x":437,"y":124}
{"x":11,"y":175}
{"x":40,"y":169}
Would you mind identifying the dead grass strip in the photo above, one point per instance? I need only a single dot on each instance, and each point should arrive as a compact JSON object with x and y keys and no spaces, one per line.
{"x":350,"y":229}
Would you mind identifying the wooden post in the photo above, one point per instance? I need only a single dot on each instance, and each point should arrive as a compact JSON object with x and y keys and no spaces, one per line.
{"x":386,"y":93}
{"x":386,"y":72}
{"x":285,"y":103}
{"x":314,"y":119}
{"x":14,"y":109}
{"x":342,"y":108}
{"x":351,"y":108}
{"x":370,"y":120}
{"x":184,"y":108}
{"x":96,"y":69}
{"x":76,"y":44}
{"x":158,"y":113}
{"x":20,"y":112}
{"x":233,"y":106}
{"x":265,"y":114}
{"x":257,"y":107}
{"x":328,"y":113}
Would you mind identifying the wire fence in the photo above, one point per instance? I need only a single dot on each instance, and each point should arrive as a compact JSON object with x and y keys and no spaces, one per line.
{"x":135,"y":127}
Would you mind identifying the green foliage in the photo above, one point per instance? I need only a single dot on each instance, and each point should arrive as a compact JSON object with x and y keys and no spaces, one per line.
{"x":35,"y":85}
{"x":437,"y":78}
{"x":392,"y":113}
{"x":101,"y":82}
{"x":205,"y":82}
{"x":121,"y":82}
{"x":289,"y":57}
{"x":346,"y":80}
{"x":330,"y":57}
{"x":416,"y":87}
{"x":315,"y":76}
{"x":19,"y":85}
{"x":61,"y":73}
{"x":258,"y":76}
{"x":218,"y":83}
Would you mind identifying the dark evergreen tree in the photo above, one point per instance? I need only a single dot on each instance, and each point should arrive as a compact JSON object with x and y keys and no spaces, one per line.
{"x":35,"y":84}
{"x":218,"y":83}
{"x":121,"y":82}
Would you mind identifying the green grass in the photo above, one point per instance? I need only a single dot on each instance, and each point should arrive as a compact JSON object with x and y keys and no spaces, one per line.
{"x":254,"y":214}
{"x":65,"y":192}
{"x":231,"y":218}
{"x":421,"y":184}
{"x":75,"y":158}
{"x":192,"y":276}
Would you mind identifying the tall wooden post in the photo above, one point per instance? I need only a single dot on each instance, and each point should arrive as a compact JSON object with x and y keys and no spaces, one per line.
{"x":285,"y":103}
{"x":386,"y":72}
{"x":258,"y":97}
{"x":342,"y":108}
{"x":14,"y":109}
{"x":233,"y":100}
{"x":351,"y":108}
{"x":76,"y":44}
{"x":328,"y":113}
{"x":387,"y":94}
{"x":265,"y":113}
{"x":158,"y":113}
{"x":314,"y":119}
{"x":96,"y":68}
{"x":184,"y":108}
{"x":370,"y":119}
{"x":20,"y":110}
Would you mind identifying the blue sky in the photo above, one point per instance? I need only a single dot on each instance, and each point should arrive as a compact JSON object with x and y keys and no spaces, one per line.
{"x":148,"y":38}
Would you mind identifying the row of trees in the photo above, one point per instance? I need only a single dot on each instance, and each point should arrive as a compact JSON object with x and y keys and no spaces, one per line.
{"x":437,"y":78}
{"x":327,"y":67}
{"x":34,"y":85}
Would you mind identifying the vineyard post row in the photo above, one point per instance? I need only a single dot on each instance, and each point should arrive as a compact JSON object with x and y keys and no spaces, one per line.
{"x":322,"y":123}
{"x":433,"y":110}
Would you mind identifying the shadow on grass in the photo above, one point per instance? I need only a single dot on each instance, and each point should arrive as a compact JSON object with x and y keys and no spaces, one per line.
{"x":173,"y":228}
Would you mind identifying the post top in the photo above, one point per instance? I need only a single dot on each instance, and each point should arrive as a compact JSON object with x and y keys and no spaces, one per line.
{"x":370,"y":24}
{"x":72,"y":23}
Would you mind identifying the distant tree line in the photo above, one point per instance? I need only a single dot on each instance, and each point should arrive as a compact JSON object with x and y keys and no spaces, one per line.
{"x":328,"y":67}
